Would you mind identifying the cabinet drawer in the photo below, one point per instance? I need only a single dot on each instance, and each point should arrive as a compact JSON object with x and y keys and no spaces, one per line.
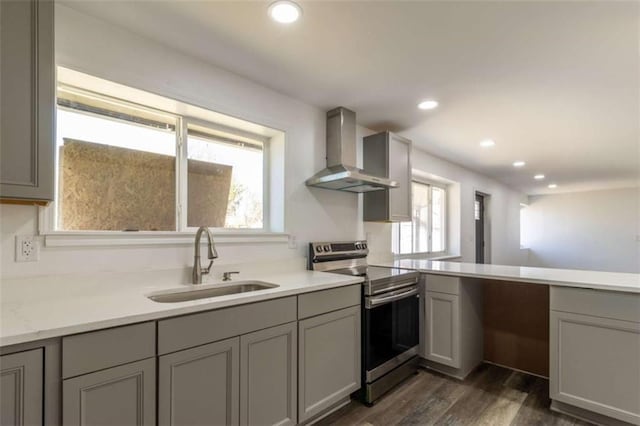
{"x":443,"y":284}
{"x":206,"y":327}
{"x":598,"y":303}
{"x":321,"y":302}
{"x":88,"y":352}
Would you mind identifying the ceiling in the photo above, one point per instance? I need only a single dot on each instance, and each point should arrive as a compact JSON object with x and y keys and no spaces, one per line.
{"x":556,"y":84}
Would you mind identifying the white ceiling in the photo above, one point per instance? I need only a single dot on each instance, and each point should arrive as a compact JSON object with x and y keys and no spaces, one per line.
{"x":556,"y":84}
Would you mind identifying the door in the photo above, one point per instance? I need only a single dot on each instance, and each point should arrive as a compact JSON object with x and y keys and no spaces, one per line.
{"x":479,"y":219}
{"x":268,"y":376}
{"x":328,"y":360}
{"x":124,"y":395}
{"x":442,"y":323}
{"x":390,"y":330}
{"x":21,"y":384}
{"x":594,"y":364}
{"x":200,"y":386}
{"x":27,"y":84}
{"x":399,"y":171}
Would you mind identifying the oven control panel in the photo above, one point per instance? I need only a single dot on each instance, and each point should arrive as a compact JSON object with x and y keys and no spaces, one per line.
{"x":343,"y":247}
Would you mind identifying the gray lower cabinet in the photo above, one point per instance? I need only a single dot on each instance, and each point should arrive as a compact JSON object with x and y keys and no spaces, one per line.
{"x":27,"y":84}
{"x":451,"y":324}
{"x":200,"y":386}
{"x":328,"y":360}
{"x":442,"y":322}
{"x":21,"y":388}
{"x":268,"y":376}
{"x":123,"y":395}
{"x":595,"y":352}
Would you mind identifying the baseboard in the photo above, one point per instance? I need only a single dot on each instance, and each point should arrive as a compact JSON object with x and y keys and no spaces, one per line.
{"x":514,"y":369}
{"x":338,"y":405}
{"x":444,"y":369}
{"x":586,"y":415}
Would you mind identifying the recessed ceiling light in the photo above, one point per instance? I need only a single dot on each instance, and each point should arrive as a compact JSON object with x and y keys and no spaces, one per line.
{"x":285,"y":11}
{"x":487,"y":143}
{"x":539,"y":177}
{"x":519,"y":163}
{"x":428,"y":104}
{"x":552,"y":186}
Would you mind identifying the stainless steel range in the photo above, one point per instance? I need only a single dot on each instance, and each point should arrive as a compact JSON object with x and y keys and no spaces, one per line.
{"x":390,"y":313}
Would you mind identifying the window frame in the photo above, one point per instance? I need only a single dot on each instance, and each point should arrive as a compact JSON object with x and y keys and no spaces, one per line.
{"x":395,"y":242}
{"x":182,"y":233}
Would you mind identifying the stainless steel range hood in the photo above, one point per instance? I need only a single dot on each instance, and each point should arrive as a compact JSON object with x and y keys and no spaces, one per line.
{"x":341,"y":174}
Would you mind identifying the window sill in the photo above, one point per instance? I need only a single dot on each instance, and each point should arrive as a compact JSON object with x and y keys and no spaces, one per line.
{"x":150,"y":238}
{"x":428,"y":256}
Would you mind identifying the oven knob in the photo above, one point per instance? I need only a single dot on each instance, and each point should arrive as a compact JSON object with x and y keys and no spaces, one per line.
{"x":327,"y":248}
{"x":319,"y":249}
{"x":364,"y":247}
{"x":358,"y":246}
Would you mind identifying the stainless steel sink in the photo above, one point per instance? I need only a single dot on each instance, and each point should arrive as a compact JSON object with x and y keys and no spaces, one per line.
{"x":204,"y":292}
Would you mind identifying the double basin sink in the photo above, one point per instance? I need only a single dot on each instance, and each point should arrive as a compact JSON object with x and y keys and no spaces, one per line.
{"x":207,"y":291}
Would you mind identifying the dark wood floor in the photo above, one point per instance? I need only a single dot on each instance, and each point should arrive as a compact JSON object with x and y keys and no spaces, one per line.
{"x":490,"y":395}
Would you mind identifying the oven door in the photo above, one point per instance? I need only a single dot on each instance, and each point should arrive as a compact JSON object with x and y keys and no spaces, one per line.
{"x":390,"y":330}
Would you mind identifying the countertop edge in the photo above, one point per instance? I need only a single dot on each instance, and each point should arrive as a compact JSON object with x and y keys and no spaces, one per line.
{"x":34,"y":336}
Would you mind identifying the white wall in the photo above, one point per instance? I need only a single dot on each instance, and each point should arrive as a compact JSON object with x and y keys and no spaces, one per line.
{"x":95,"y":47}
{"x":502,"y":214}
{"x":596,"y":230}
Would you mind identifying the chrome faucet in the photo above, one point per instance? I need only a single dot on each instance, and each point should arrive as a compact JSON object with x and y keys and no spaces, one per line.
{"x":198,"y":270}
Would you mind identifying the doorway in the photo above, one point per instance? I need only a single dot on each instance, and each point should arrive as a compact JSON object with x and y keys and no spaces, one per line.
{"x":479,"y":211}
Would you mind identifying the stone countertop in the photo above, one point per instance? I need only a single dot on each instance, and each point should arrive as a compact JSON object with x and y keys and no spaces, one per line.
{"x":610,"y":281}
{"x":39,"y":308}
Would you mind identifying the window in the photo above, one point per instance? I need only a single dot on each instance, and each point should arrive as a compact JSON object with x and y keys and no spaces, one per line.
{"x":426,"y":233}
{"x":129,"y":167}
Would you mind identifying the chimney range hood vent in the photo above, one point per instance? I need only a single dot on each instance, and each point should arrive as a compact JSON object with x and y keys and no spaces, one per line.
{"x":341,"y":174}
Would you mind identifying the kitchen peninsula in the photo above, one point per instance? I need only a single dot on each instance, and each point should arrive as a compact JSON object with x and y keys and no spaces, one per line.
{"x":555,"y":323}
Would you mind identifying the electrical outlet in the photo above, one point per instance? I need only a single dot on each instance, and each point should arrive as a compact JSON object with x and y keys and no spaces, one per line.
{"x":27,"y":248}
{"x":292,"y":242}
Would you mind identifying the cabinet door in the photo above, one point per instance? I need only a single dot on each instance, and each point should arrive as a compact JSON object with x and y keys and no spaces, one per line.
{"x":442,"y":325}
{"x":400,"y":171}
{"x":27,"y":84}
{"x":200,"y":386}
{"x":268,"y":376}
{"x":595,"y":364}
{"x":123,"y":395}
{"x":328,"y":360}
{"x":21,"y":380}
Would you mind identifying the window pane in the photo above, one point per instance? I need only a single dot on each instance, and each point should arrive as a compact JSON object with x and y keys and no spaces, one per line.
{"x":405,"y":237}
{"x":225,"y":182}
{"x":437,"y":219}
{"x":421,"y":217}
{"x":114,"y":173}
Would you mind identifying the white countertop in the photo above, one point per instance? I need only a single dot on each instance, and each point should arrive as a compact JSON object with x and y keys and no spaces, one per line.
{"x":611,"y":281}
{"x":39,"y":308}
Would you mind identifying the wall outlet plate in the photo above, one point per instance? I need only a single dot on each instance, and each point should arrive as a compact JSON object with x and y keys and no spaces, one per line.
{"x":27,"y":248}
{"x":293,"y":243}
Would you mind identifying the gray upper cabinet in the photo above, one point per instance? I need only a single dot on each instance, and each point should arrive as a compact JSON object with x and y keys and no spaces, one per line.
{"x":123,"y":395}
{"x":21,"y":388}
{"x":268,"y":376}
{"x":27,"y":84}
{"x":328,"y":360}
{"x":200,"y":386}
{"x":388,"y":155}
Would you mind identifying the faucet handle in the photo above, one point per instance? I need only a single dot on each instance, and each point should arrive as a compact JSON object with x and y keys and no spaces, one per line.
{"x":226,"y":276}
{"x":208,"y":268}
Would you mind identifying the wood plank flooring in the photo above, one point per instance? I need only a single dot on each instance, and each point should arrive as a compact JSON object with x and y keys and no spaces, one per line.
{"x":491,"y":395}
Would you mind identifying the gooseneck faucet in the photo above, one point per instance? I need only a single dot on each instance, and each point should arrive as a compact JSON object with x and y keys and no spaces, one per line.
{"x":198,"y":270}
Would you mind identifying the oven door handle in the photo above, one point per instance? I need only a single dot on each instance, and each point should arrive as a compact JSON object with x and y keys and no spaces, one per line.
{"x":372,"y":302}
